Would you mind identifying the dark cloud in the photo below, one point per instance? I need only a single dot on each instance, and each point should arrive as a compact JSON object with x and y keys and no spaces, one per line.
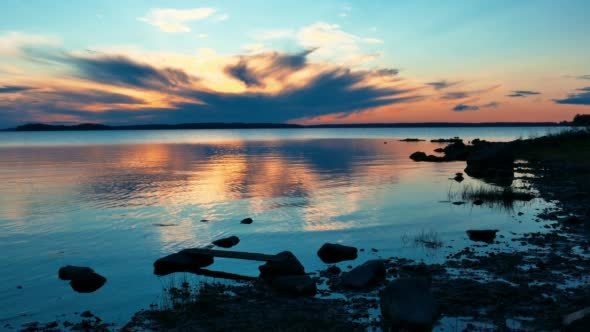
{"x":330,"y":92}
{"x":388,"y":72}
{"x":86,"y":97}
{"x":465,"y":107}
{"x":456,"y":95}
{"x":14,"y":88}
{"x":119,"y":70}
{"x":443,"y":84}
{"x":493,"y":104}
{"x":275,"y":64}
{"x":523,"y":93}
{"x":111,"y":69}
{"x":580,"y":97}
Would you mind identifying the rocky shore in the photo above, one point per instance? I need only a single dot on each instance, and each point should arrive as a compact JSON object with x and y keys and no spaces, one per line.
{"x":544,"y":286}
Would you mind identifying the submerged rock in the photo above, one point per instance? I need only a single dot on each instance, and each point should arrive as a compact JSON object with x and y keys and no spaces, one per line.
{"x":363,"y":276}
{"x":482,"y":235}
{"x":82,"y":279}
{"x":183,"y":261}
{"x":294,"y":285}
{"x":408,"y":305}
{"x":246,"y":221}
{"x":577,"y":321}
{"x":288,"y":266}
{"x":334,"y":253}
{"x":227,"y":242}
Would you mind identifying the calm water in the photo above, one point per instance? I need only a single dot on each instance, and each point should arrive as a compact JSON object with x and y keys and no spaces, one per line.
{"x":96,"y":199}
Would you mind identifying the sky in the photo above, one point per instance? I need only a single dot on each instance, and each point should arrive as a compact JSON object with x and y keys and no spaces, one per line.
{"x":308,"y":62}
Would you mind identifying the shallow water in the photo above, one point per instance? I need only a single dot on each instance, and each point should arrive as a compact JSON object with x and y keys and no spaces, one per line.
{"x":116,"y":201}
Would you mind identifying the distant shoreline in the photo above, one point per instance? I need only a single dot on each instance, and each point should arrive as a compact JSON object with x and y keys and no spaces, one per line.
{"x":202,"y":126}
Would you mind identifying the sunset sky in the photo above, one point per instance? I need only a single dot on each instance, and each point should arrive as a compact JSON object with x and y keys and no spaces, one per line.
{"x":136,"y":62}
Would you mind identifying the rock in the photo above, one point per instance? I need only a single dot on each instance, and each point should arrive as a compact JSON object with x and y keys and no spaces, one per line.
{"x":483,"y":235}
{"x":478,"y":202}
{"x":408,"y":305}
{"x":411,"y":140}
{"x":457,"y":151}
{"x":491,"y":162}
{"x":88,"y":283}
{"x":294,"y":285}
{"x":577,"y":321}
{"x":458,"y":203}
{"x":290,"y":265}
{"x":247,"y":221}
{"x":227,"y":242}
{"x":182,"y":261}
{"x":82,"y":279}
{"x":421,"y":156}
{"x":204,"y":220}
{"x":439,"y":150}
{"x":447,"y":140}
{"x":334,"y":253}
{"x":334,"y":270}
{"x":459,"y":177}
{"x":573,"y":220}
{"x":70,"y":272}
{"x":363,"y":276}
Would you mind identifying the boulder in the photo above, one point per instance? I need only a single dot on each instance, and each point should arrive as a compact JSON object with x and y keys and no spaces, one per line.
{"x":364,"y":276}
{"x":82,"y":279}
{"x":334,"y":270}
{"x":183,"y":261}
{"x":334,"y":253}
{"x":88,"y":283}
{"x":294,"y":285}
{"x":70,"y":272}
{"x":246,"y":221}
{"x":421,"y":156}
{"x":577,"y":321}
{"x":457,"y":151}
{"x":482,"y":235}
{"x":288,"y":266}
{"x":227,"y":242}
{"x":408,"y":305}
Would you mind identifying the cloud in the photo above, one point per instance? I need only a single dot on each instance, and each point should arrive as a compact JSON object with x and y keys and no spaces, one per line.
{"x":465,"y":107}
{"x":493,"y":104}
{"x":277,"y":87}
{"x":13,"y":88}
{"x":252,"y":70}
{"x":174,"y":20}
{"x":577,"y":98}
{"x":12,"y":43}
{"x":454,"y":95}
{"x":120,"y":70}
{"x":442,"y":84}
{"x":584,"y":77}
{"x":523,"y":93}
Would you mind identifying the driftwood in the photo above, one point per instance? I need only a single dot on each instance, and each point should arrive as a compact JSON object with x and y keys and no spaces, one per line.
{"x":235,"y":254}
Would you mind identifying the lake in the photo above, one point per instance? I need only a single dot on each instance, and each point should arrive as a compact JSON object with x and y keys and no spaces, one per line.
{"x":118,"y":200}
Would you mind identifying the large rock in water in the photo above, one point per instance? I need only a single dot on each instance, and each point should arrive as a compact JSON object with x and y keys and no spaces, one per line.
{"x":82,"y":279}
{"x":491,"y":162}
{"x":334,"y":253}
{"x":288,"y":266}
{"x":482,"y":235}
{"x":183,"y":261}
{"x":421,"y":156}
{"x":296,"y":285}
{"x":364,"y":276}
{"x":408,"y":305}
{"x":227,"y":242}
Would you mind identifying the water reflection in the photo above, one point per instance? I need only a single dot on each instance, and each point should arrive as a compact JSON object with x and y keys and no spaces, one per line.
{"x":99,"y":205}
